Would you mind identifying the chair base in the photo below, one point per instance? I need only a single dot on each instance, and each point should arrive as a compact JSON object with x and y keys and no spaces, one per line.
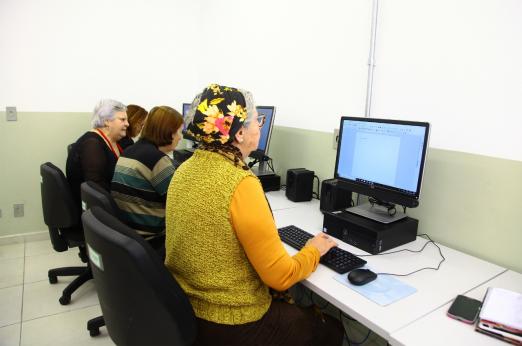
{"x":94,"y":325}
{"x":84,"y":275}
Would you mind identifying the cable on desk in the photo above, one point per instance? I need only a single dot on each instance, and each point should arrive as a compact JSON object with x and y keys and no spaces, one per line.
{"x":414,"y":251}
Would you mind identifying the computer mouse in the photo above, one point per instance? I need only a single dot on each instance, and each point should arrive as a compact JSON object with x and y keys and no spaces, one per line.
{"x":361,"y":276}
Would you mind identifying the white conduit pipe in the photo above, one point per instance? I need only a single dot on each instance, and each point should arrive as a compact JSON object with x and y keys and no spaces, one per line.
{"x":371,"y":59}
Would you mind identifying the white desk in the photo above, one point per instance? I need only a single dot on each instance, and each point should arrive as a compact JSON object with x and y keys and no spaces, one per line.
{"x":459,"y":273}
{"x":278,"y":201}
{"x":438,"y":329}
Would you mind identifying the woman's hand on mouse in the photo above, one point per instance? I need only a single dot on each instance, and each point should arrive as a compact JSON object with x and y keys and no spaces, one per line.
{"x":322,"y":242}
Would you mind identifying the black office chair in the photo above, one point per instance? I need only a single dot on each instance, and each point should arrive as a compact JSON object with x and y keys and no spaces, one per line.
{"x":94,"y":195}
{"x":62,"y":217}
{"x":141,"y":301}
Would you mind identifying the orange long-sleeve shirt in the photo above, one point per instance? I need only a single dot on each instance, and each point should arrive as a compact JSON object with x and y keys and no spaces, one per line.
{"x":256,"y":231}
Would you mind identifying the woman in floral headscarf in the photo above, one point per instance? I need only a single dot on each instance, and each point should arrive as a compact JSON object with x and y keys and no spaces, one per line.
{"x":222,"y":244}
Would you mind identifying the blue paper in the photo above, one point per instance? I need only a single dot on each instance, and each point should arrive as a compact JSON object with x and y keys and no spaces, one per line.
{"x":384,"y":290}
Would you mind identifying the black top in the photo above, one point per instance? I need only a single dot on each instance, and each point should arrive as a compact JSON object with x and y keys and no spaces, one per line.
{"x":126,"y":142}
{"x":90,"y":159}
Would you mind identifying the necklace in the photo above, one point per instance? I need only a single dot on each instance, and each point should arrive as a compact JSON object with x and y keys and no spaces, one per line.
{"x":109,"y":143}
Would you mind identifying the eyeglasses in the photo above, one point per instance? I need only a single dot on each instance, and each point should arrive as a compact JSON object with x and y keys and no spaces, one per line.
{"x":261,"y":119}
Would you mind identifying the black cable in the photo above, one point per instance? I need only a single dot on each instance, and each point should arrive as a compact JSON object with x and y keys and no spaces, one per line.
{"x":414,"y":251}
{"x":350,"y":342}
{"x":270,"y":164}
{"x":344,"y":328}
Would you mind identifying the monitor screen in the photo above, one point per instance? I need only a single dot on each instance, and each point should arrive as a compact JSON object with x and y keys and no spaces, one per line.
{"x":382,"y":158}
{"x":186,"y":107}
{"x":266,"y":130}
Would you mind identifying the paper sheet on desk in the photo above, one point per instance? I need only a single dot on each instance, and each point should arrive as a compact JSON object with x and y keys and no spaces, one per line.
{"x":384,"y":290}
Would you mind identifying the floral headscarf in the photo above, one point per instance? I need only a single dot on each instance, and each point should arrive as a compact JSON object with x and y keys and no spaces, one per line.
{"x":218,"y":114}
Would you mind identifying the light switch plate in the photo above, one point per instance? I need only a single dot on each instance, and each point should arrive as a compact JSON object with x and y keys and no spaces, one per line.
{"x":10,"y":114}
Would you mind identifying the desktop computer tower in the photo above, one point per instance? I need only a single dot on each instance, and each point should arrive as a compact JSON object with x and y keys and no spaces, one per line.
{"x":333,"y":197}
{"x":369,"y":235}
{"x":299,"y":184}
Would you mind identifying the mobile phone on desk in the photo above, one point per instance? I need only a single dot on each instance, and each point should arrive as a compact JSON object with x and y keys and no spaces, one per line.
{"x":465,"y":309}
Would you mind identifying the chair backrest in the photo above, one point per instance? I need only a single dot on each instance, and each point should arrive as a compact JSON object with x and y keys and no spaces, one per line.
{"x":142,"y":303}
{"x":59,"y":209}
{"x":94,"y":195}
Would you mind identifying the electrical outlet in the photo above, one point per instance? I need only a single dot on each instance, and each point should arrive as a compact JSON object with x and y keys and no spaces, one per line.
{"x":10,"y":114}
{"x":18,"y":210}
{"x":335,"y":138}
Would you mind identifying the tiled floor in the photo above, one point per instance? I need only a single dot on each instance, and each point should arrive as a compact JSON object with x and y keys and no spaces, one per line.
{"x":30,"y":313}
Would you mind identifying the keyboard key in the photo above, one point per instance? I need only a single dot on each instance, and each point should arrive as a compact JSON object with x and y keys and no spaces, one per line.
{"x":336,"y":259}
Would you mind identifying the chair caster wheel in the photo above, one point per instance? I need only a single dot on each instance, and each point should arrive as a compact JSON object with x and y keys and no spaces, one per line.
{"x":53,"y":279}
{"x":64,"y":300}
{"x":94,"y":332}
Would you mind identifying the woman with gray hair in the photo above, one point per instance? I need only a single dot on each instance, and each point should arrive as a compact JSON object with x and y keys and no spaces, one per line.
{"x":222,"y":244}
{"x":93,"y":156}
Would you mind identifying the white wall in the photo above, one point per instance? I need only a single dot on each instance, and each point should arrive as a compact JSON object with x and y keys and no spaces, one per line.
{"x":309,"y":58}
{"x":63,"y":55}
{"x":456,"y":64}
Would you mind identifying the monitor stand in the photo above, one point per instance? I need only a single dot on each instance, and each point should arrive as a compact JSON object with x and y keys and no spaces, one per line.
{"x":376,"y":212}
{"x":262,"y":169}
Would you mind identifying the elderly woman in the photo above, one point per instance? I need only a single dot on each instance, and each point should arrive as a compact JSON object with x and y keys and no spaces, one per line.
{"x":136,"y":116}
{"x":94,"y":155}
{"x":222,"y":244}
{"x":143,"y":173}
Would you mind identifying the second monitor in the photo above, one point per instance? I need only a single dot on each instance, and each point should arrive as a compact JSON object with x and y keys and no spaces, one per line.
{"x":261,"y":153}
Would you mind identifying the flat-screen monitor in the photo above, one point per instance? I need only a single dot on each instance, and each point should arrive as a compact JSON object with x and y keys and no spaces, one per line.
{"x":382,"y":158}
{"x":186,"y":108}
{"x":266,"y":131}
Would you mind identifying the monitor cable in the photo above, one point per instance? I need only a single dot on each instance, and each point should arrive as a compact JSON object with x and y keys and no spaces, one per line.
{"x":414,"y":251}
{"x":390,"y":207}
{"x":270,"y":164}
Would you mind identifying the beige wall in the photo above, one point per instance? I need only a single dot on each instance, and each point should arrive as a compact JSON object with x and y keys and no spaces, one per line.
{"x":25,"y":144}
{"x":469,"y":202}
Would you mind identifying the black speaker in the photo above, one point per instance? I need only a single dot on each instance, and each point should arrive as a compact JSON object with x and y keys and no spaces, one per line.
{"x":299,"y":184}
{"x":270,"y":182}
{"x":333,"y":197}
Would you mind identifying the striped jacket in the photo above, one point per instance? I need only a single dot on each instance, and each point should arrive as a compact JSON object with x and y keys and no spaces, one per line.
{"x":139,"y":186}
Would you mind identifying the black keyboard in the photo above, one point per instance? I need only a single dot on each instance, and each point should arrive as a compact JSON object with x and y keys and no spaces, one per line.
{"x":336,"y":259}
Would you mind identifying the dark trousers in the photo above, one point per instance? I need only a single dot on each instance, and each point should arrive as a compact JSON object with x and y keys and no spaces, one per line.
{"x":283,"y":324}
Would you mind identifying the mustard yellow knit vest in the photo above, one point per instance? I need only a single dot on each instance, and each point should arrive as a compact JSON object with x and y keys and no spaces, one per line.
{"x":203,"y":252}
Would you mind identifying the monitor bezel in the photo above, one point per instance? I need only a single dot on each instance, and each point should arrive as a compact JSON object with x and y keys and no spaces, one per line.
{"x":384,"y":192}
{"x":260,"y":153}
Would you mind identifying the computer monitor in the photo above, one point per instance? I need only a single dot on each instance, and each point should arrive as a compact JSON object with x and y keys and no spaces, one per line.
{"x":383,"y":159}
{"x":266,"y":132}
{"x":186,"y":108}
